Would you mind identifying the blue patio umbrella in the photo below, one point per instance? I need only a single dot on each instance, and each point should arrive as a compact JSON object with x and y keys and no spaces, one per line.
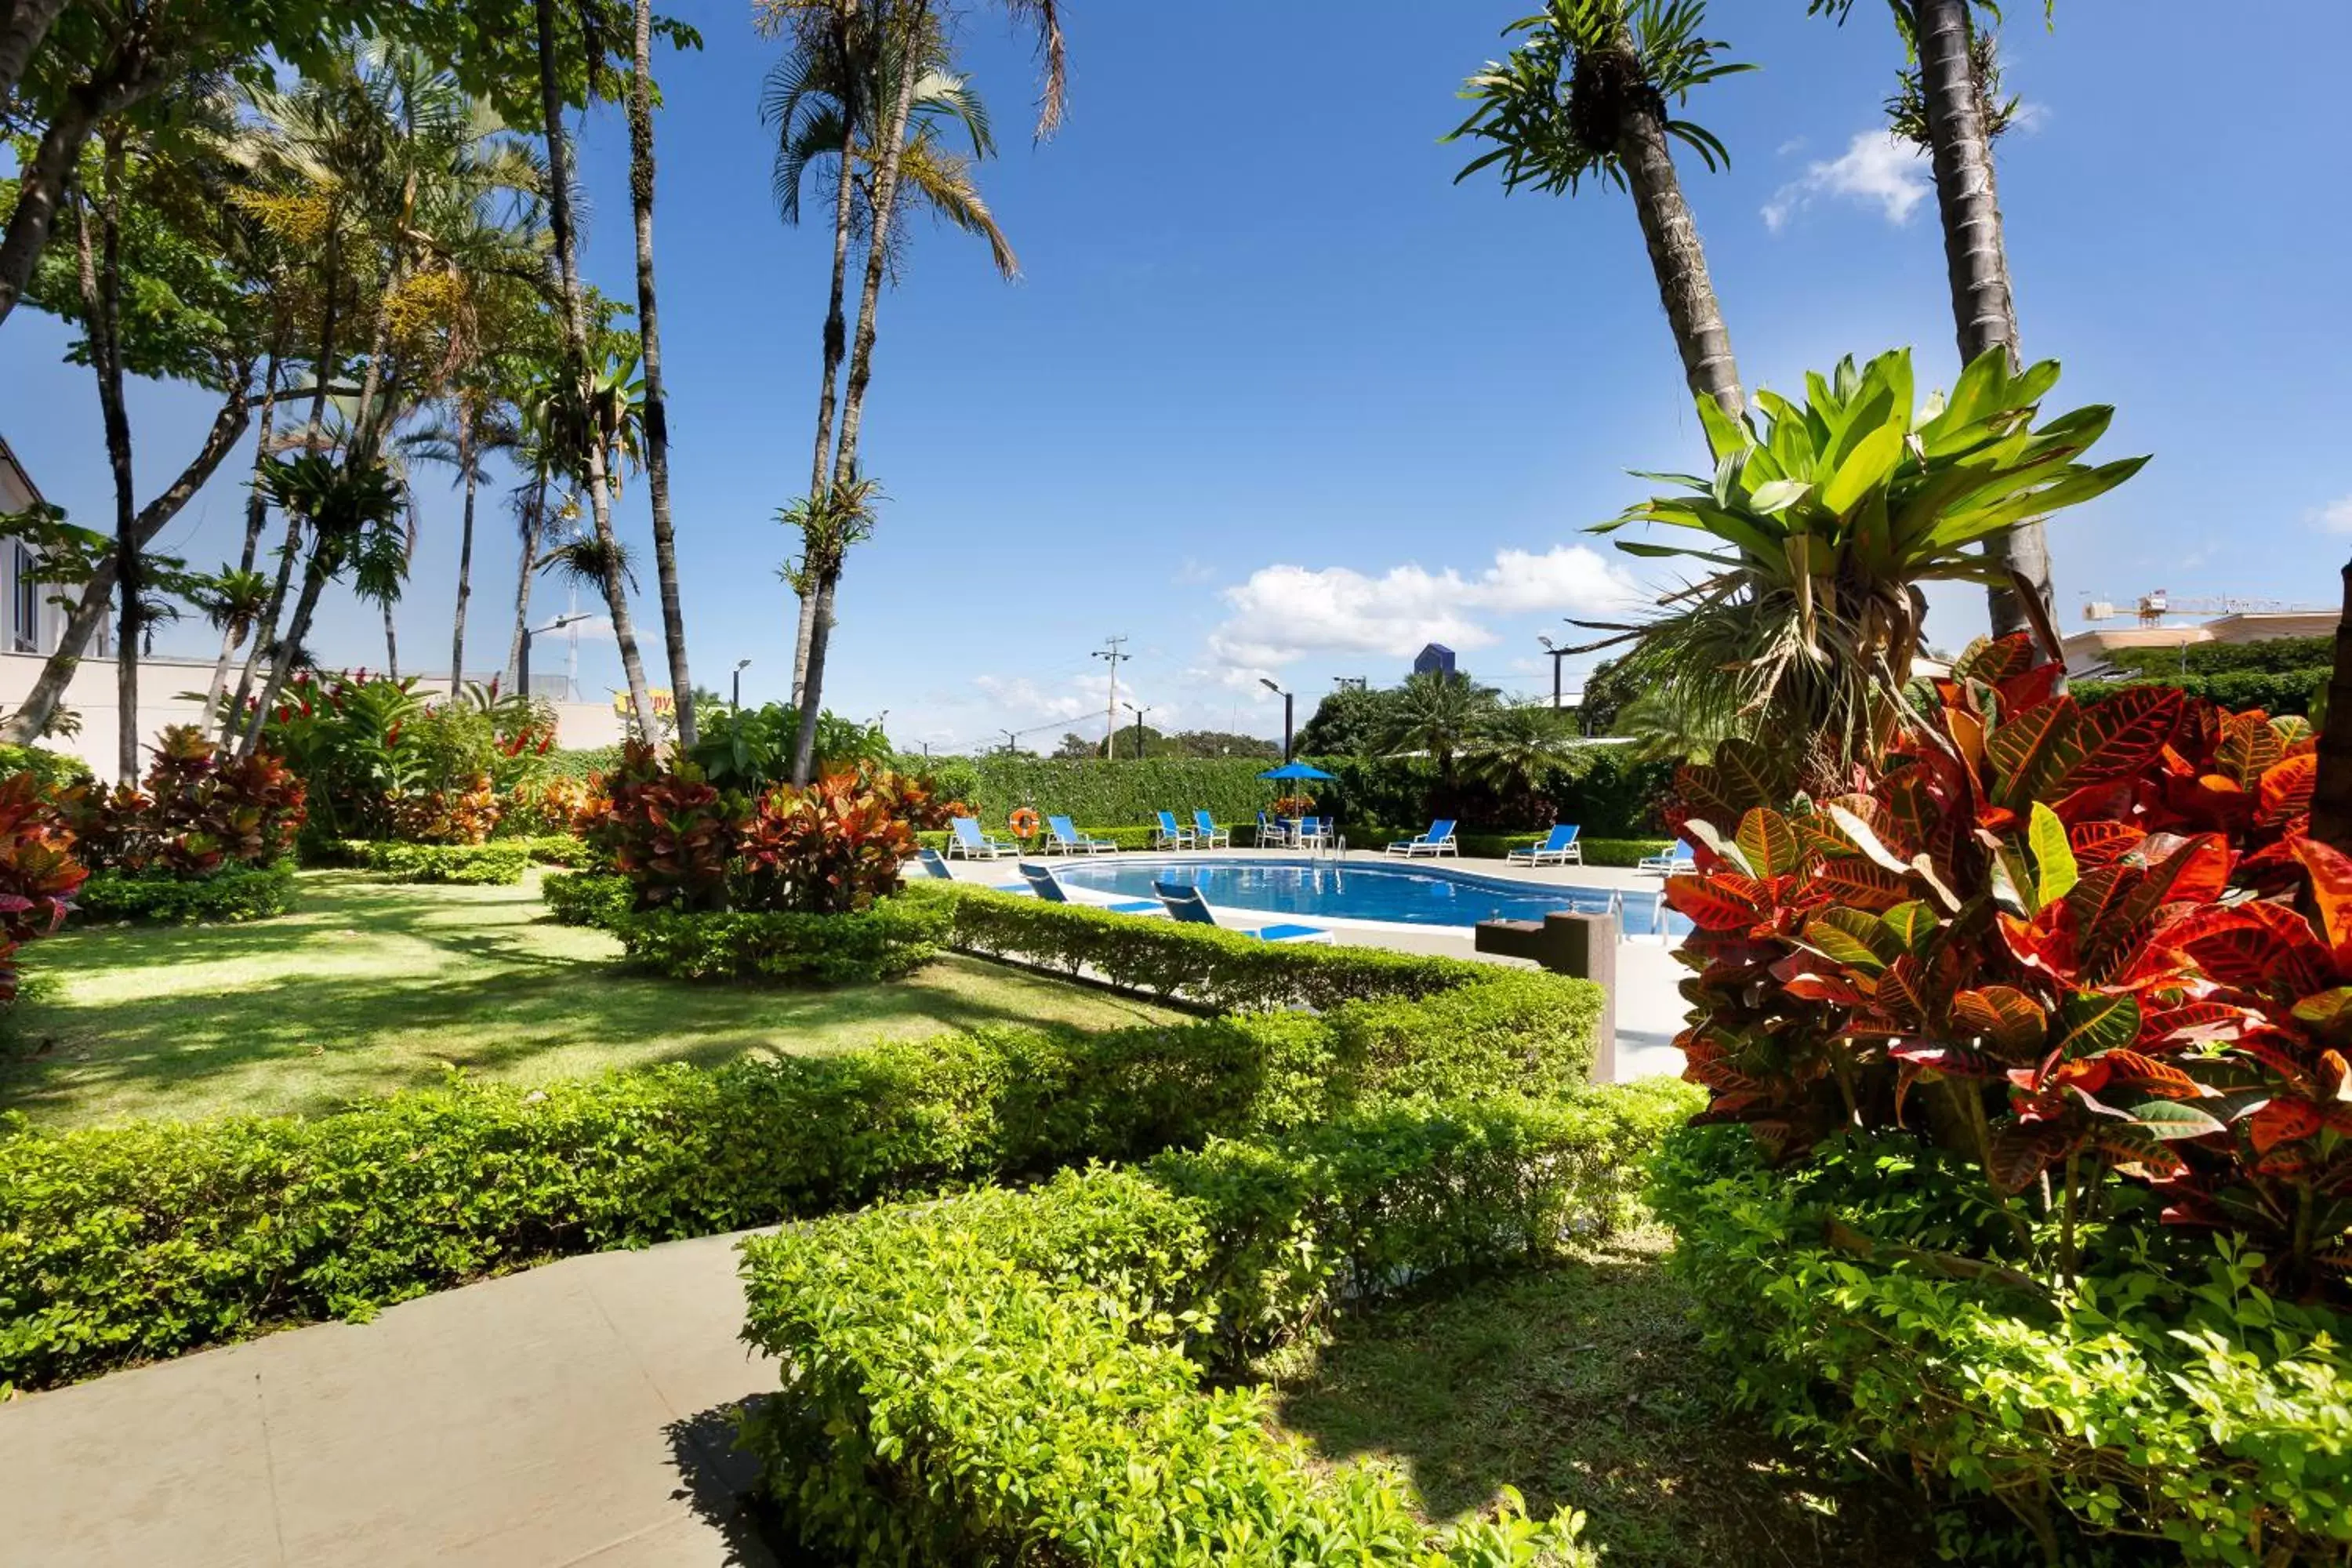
{"x":1296,"y":771}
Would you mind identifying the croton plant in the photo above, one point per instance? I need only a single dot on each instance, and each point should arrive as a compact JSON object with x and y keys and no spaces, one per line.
{"x":2064,"y":938}
{"x":38,"y":872}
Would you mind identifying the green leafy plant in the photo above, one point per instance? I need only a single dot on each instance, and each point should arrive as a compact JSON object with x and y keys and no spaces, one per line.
{"x":234,"y":894}
{"x":1821,"y":522}
{"x":588,"y":897}
{"x":499,"y":864}
{"x":884,"y":941}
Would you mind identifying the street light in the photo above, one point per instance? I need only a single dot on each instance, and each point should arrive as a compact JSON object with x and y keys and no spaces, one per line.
{"x":736,"y":699}
{"x":522,"y":659}
{"x":1138,"y":714}
{"x":1557,"y":654}
{"x":1278,"y":691}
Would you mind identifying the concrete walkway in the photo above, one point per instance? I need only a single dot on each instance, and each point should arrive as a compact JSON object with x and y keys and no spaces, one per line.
{"x":574,"y":1414}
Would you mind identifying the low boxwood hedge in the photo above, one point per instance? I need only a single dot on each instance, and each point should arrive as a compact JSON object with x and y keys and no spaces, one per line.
{"x":894,"y":938}
{"x":500,"y":863}
{"x":239,"y":893}
{"x":121,"y":1244}
{"x":1023,"y":1376}
{"x":587,"y":897}
{"x":2139,"y":1402}
{"x":1622,"y":853}
{"x":558,"y":849}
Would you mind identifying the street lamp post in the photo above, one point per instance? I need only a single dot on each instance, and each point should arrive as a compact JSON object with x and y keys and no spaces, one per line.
{"x":1557,"y":654}
{"x":735,"y":700}
{"x":523,"y":661}
{"x":1138,"y":714}
{"x":1286,"y":697}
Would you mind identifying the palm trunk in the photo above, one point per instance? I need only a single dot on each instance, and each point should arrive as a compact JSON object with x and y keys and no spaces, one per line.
{"x":390,"y":644}
{"x":257,"y":517}
{"x":282,"y":663}
{"x":1976,"y":260}
{"x":657,"y":414}
{"x":837,"y":347}
{"x":803,"y":638}
{"x":576,"y":332}
{"x":464,"y":545}
{"x":890,"y":154}
{"x":2331,"y":794}
{"x":27,"y":723}
{"x":1679,"y":260}
{"x":101,"y":293}
{"x":533,"y":526}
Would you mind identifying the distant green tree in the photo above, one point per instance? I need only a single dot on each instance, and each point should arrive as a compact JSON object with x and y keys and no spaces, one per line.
{"x":1347,"y":723}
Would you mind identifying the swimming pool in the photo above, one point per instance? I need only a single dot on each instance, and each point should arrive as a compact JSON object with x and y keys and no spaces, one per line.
{"x":1421,"y":895}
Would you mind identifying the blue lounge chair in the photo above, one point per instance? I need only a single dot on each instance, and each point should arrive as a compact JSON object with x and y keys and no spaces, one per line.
{"x":1438,"y":840}
{"x":1673,"y":863}
{"x":1170,"y":833}
{"x":1207,"y":835}
{"x":1561,"y":848}
{"x":973,"y":844}
{"x":1048,"y":887}
{"x":937,"y":865}
{"x":1070,"y":841}
{"x":1187,"y":905}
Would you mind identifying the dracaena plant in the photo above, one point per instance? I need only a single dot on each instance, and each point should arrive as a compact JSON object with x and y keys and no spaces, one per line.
{"x":1819,"y":524}
{"x":2070,"y":941}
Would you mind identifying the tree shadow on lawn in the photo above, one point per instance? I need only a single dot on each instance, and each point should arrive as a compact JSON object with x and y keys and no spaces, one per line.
{"x":1584,"y":1386}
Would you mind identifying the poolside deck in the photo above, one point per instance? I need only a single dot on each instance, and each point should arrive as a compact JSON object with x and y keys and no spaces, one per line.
{"x":1649,"y":1006}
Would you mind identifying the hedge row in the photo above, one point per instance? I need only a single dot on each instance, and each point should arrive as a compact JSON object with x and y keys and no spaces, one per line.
{"x":2209,"y":1416}
{"x":558,"y":849}
{"x":894,"y":938}
{"x":587,"y":897}
{"x":239,"y":893}
{"x":1245,"y":834}
{"x":498,"y":863}
{"x":1619,"y":852}
{"x":1024,"y":1377}
{"x":121,"y":1244}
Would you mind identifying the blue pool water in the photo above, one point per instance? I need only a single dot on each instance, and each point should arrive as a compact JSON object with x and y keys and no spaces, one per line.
{"x":1409,"y":894}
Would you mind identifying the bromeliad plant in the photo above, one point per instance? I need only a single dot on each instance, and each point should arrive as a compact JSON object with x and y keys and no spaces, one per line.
{"x":2077,"y":943}
{"x":1821,"y":522}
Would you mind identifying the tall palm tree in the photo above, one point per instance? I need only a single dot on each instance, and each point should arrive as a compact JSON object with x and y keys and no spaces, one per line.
{"x":816,"y":97}
{"x":579,"y":366}
{"x":1961,"y":121}
{"x":1438,"y":715}
{"x":656,"y":420}
{"x":1514,"y":748}
{"x":908,"y":37}
{"x":237,"y":596}
{"x":1586,"y":96}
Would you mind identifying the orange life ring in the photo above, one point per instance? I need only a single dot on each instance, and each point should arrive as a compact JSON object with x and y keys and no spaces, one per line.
{"x":1024,"y":823}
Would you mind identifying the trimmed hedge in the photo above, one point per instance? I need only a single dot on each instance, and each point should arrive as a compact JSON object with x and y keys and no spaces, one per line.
{"x":583,"y":761}
{"x":2205,"y":1414}
{"x":500,"y":863}
{"x":1136,"y":838}
{"x":558,"y":849}
{"x":1624,"y":853}
{"x":892,"y":939}
{"x":53,"y":771}
{"x":126,"y":1243}
{"x":239,"y":893}
{"x":587,"y":897}
{"x":1018,"y":1376}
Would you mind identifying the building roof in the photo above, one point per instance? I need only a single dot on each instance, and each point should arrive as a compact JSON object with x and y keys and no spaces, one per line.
{"x":8,"y":459}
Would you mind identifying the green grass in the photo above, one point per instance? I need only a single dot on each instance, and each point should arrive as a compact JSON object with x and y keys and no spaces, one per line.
{"x":1584,"y":1387}
{"x":369,"y":987}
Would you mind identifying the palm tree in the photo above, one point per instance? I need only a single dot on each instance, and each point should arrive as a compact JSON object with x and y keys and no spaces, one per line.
{"x":477,"y":425}
{"x":829,"y":521}
{"x":1957,"y":93}
{"x":656,"y":420}
{"x":240,"y":594}
{"x":1438,"y":715}
{"x":579,"y":366}
{"x":1516,"y":746}
{"x":907,"y":36}
{"x":817,"y":98}
{"x":1586,"y":97}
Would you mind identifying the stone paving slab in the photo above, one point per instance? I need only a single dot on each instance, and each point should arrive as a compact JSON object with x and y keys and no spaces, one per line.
{"x":572,"y":1413}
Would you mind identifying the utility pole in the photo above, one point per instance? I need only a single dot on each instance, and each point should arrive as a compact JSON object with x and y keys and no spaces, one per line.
{"x":1111,"y":650}
{"x":1557,"y":654}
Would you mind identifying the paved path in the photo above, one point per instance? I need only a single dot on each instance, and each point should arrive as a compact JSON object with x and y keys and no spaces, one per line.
{"x":574,"y":1414}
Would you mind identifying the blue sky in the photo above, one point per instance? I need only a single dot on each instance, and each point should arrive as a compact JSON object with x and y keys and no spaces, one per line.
{"x":1273,"y":397}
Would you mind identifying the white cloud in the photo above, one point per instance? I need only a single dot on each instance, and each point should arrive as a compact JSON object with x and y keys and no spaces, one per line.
{"x":1877,"y":167}
{"x":2335,"y":517}
{"x":1284,"y":613}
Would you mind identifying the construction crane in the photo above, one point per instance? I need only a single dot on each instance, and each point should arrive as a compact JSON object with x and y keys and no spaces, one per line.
{"x":2157,"y":604}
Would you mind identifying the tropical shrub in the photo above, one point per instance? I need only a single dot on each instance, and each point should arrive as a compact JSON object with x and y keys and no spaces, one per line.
{"x":38,"y":873}
{"x":2074,"y":929}
{"x":2186,"y":1405}
{"x":55,"y":772}
{"x":587,"y":897}
{"x":669,"y":830}
{"x":1022,"y":1373}
{"x":549,"y":807}
{"x":124,"y":1243}
{"x":884,"y":941}
{"x":558,"y":849}
{"x":749,"y":749}
{"x":197,"y":816}
{"x":232,"y":894}
{"x":501,"y":864}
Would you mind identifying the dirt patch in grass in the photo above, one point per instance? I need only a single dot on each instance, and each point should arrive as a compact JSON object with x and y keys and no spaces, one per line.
{"x":1584,"y":1387}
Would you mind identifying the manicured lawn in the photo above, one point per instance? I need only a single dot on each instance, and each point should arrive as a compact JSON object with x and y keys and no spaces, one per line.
{"x":368,"y":987}
{"x":1584,"y":1387}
